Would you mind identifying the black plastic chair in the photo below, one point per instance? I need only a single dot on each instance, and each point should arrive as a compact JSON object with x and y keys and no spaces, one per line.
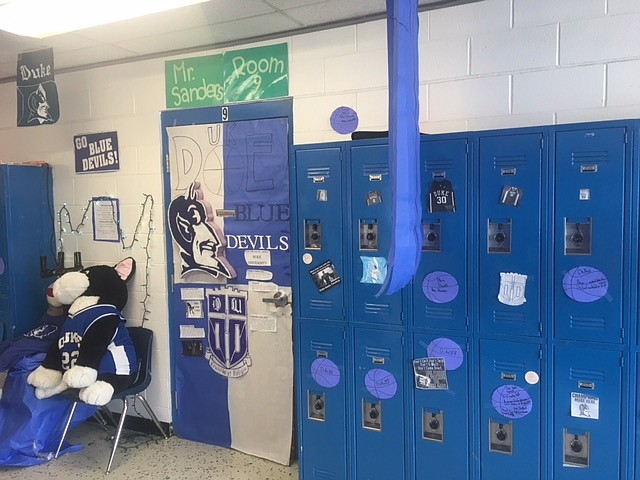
{"x":143,"y":342}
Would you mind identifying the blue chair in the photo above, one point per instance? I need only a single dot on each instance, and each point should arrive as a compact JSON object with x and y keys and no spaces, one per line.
{"x":143,"y":342}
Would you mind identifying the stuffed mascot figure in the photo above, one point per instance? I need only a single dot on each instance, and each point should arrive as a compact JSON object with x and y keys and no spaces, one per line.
{"x":94,"y":352}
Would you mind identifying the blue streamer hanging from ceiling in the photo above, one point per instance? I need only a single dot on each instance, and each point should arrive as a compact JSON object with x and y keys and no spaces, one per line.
{"x":404,"y":144}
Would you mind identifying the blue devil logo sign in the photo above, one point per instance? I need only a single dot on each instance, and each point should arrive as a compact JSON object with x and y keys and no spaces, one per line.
{"x":227,"y":334}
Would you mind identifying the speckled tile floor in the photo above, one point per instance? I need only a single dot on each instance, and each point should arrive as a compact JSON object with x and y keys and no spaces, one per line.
{"x":142,"y":456}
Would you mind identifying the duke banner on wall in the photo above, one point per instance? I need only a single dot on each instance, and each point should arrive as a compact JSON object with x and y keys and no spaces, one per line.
{"x":37,"y":92}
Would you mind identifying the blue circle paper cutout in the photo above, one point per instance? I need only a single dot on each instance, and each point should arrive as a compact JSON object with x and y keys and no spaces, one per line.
{"x":512,"y":401}
{"x":585,"y":284}
{"x":344,"y":120}
{"x":381,"y":383}
{"x":447,"y":349}
{"x":440,"y":287}
{"x":325,"y":372}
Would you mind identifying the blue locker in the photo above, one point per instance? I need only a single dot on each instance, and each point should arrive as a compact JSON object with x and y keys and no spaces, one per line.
{"x":510,"y":409}
{"x":440,"y":285}
{"x":322,"y":395}
{"x":371,"y":225}
{"x":590,"y":210}
{"x":319,"y":231}
{"x":441,"y":429}
{"x":510,"y":224}
{"x":378,"y":403}
{"x":588,"y":404}
{"x":26,"y":234}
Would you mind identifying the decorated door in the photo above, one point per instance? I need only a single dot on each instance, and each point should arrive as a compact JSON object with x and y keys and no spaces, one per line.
{"x":227,"y":207}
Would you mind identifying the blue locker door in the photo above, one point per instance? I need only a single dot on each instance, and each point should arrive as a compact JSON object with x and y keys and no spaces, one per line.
{"x":322,"y":401}
{"x":510,"y":410}
{"x":371,"y":202}
{"x":379,"y":405}
{"x":510,"y":233}
{"x":319,"y":232}
{"x":590,"y":169}
{"x":587,"y":413}
{"x":440,"y":285}
{"x":441,"y":432}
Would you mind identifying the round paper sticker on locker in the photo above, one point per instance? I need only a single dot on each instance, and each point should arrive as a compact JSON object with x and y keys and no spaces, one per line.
{"x":531,"y":377}
{"x":447,"y":349}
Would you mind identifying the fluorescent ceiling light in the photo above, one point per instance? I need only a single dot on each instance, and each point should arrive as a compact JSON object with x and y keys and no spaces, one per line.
{"x":44,"y":18}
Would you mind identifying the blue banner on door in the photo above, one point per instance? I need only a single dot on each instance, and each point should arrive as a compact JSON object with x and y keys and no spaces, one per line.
{"x":96,"y":152}
{"x":256,"y":188}
{"x":37,"y":92}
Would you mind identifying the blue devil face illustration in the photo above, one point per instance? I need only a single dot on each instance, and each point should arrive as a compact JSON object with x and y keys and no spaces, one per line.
{"x":201,"y":241}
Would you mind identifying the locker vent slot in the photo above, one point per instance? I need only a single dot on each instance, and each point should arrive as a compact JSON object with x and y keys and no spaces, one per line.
{"x":323,"y":474}
{"x":439,"y":166}
{"x":511,"y":161}
{"x":321,"y":347}
{"x":377,"y":308}
{"x":505,"y":366}
{"x":509,"y":317}
{"x":376,"y":353}
{"x":318,"y":172}
{"x":587,"y":323}
{"x":375,"y":169}
{"x":582,"y":375}
{"x":321,"y":304}
{"x":439,"y":312}
{"x":589,"y":157}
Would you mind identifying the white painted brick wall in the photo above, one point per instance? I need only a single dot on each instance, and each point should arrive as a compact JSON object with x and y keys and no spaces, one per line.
{"x":444,"y":59}
{"x":465,"y":20}
{"x":529,"y":48}
{"x":600,"y":39}
{"x":617,"y":7}
{"x":356,"y":72}
{"x":474,"y":97}
{"x":545,"y":12}
{"x":623,"y":83}
{"x":553,"y":90}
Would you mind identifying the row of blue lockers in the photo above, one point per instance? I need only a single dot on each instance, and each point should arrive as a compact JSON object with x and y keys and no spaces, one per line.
{"x":529,"y":232}
{"x":512,"y":352}
{"x":378,"y":404}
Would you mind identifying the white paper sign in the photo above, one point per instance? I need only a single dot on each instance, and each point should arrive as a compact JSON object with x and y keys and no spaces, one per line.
{"x":191,"y":331}
{"x":512,"y":289}
{"x":585,"y":406}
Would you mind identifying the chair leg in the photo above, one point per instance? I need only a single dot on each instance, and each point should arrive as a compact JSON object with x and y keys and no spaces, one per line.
{"x":66,"y":428}
{"x":116,"y":439}
{"x":105,"y":410}
{"x":151,"y":414}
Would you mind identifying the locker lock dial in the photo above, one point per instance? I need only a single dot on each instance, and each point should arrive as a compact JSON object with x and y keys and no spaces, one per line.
{"x":319,"y":403}
{"x":576,"y":446}
{"x":434,"y":424}
{"x":369,"y":234}
{"x":501,"y":434}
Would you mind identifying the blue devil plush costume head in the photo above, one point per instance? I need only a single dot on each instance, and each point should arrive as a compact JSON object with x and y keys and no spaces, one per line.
{"x":94,"y":352}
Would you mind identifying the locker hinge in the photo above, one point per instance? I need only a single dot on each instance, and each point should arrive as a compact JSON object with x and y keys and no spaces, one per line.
{"x":621,"y":361}
{"x":626,"y":137}
{"x":171,"y":278}
{"x":466,"y":323}
{"x":540,"y":327}
{"x":622,"y":333}
{"x":166,"y":162}
{"x":540,"y":354}
{"x":175,"y":399}
{"x":541,"y":143}
{"x":467,"y":148}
